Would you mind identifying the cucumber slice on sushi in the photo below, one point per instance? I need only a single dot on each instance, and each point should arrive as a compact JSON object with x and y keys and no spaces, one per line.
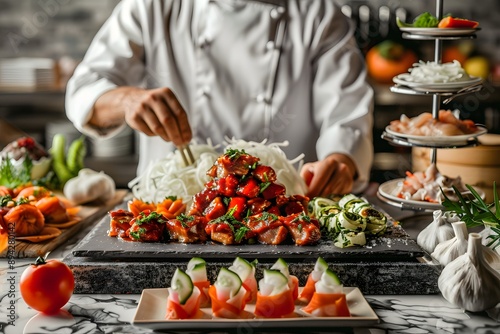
{"x":273,"y":283}
{"x":197,"y":269}
{"x":282,"y":266}
{"x":329,"y":283}
{"x":243,"y":268}
{"x":182,"y":285}
{"x":319,"y":268}
{"x":229,"y":281}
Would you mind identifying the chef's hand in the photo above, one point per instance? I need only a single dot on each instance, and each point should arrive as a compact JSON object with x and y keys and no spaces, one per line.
{"x":155,"y":112}
{"x":333,"y":175}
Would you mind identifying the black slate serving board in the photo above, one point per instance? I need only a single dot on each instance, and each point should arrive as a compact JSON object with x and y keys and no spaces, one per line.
{"x":395,"y":245}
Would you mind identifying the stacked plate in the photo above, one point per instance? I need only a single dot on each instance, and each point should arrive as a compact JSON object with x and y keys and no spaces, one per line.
{"x":27,"y":72}
{"x":119,"y":145}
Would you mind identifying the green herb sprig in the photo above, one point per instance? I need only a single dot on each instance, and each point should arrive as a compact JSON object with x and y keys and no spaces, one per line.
{"x":475,"y":212}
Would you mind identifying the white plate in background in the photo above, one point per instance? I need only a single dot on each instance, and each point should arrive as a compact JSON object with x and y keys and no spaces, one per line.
{"x":437,"y":140}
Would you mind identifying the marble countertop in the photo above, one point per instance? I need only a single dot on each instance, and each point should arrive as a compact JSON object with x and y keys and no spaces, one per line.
{"x":106,"y":313}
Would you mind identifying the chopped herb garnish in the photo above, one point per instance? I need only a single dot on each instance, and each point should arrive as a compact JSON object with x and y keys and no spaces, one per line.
{"x":267,"y":216}
{"x":137,"y":234}
{"x":153,"y":216}
{"x":263,"y":186}
{"x":171,"y":197}
{"x":185,"y":219}
{"x":234,"y":154}
{"x":302,"y":216}
{"x":240,"y":233}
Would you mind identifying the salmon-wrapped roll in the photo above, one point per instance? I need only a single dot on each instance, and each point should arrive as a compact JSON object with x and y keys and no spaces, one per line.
{"x":197,"y":271}
{"x":293,"y":281}
{"x":275,"y":298}
{"x":309,"y":289}
{"x":329,"y":299}
{"x":228,"y":295}
{"x":183,"y":297}
{"x":246,"y":271}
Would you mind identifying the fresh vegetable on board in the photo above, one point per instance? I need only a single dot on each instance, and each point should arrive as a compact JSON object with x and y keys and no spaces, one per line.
{"x":47,"y":285}
{"x":66,"y":165}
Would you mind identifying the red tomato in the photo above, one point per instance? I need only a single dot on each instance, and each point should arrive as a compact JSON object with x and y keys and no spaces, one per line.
{"x":47,"y":286}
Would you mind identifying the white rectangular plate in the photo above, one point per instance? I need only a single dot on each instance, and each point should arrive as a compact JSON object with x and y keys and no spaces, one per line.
{"x":152,"y":309}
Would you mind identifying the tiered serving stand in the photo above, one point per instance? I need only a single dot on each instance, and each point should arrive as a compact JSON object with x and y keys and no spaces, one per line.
{"x":440,"y":93}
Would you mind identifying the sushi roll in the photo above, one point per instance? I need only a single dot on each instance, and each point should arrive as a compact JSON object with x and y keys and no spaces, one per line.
{"x":197,"y":271}
{"x":319,"y":268}
{"x":329,"y":299}
{"x":293,"y":281}
{"x":275,"y":297}
{"x":228,"y":295}
{"x":246,"y":271}
{"x":183,"y":297}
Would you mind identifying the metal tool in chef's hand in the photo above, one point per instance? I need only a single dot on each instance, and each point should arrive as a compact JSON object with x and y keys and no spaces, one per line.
{"x":186,"y":154}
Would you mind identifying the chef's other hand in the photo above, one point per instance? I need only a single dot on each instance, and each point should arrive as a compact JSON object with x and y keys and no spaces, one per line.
{"x":333,"y":175}
{"x":155,"y":112}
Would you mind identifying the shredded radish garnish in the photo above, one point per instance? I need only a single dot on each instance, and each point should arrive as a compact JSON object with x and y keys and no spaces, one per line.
{"x":169,"y":176}
{"x":272,"y":155}
{"x":431,"y":72}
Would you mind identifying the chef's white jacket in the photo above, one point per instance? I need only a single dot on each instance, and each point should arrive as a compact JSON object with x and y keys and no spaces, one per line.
{"x":281,"y":70}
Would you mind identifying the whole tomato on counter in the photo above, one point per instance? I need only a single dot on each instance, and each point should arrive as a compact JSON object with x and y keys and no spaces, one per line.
{"x":47,"y":286}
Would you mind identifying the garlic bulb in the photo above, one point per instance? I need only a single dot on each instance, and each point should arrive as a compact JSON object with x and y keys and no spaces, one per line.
{"x":89,"y":186}
{"x":469,"y":281}
{"x":449,"y":250}
{"x":437,"y":231}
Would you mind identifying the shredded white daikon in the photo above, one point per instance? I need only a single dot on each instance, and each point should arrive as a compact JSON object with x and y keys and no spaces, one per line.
{"x":272,"y":155}
{"x":170,"y":177}
{"x":431,"y":72}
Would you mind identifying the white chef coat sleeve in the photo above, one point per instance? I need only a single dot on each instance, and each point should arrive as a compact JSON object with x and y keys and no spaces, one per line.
{"x":114,"y":58}
{"x":343,"y":102}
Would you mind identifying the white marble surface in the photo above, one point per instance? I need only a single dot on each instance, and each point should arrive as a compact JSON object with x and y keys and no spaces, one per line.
{"x":113,"y":313}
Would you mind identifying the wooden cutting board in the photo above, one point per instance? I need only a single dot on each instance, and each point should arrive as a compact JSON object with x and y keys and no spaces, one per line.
{"x":89,"y":214}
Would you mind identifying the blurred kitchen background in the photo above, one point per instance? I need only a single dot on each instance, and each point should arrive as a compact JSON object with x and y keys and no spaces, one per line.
{"x":58,"y":32}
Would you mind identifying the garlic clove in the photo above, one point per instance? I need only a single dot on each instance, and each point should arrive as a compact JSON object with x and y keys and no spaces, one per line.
{"x":437,"y":231}
{"x":449,"y":250}
{"x":469,"y":281}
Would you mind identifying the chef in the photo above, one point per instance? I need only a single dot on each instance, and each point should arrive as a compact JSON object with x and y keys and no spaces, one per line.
{"x":273,"y":69}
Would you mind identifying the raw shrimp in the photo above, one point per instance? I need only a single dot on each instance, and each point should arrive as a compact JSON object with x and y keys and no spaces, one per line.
{"x":425,"y":125}
{"x":26,"y":219}
{"x":53,"y":209}
{"x":33,"y":193}
{"x":4,"y":191}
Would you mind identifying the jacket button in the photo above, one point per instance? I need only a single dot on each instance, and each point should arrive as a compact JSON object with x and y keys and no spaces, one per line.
{"x":270,"y":45}
{"x":277,"y":12}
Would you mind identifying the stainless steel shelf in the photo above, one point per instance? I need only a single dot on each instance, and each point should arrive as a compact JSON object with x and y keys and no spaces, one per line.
{"x":433,"y":38}
{"x":400,"y":141}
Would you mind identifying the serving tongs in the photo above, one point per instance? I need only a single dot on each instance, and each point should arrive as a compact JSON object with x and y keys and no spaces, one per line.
{"x":475,"y":87}
{"x":186,"y":154}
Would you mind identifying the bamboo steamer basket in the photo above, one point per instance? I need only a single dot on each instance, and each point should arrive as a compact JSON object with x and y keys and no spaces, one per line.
{"x":478,"y":166}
